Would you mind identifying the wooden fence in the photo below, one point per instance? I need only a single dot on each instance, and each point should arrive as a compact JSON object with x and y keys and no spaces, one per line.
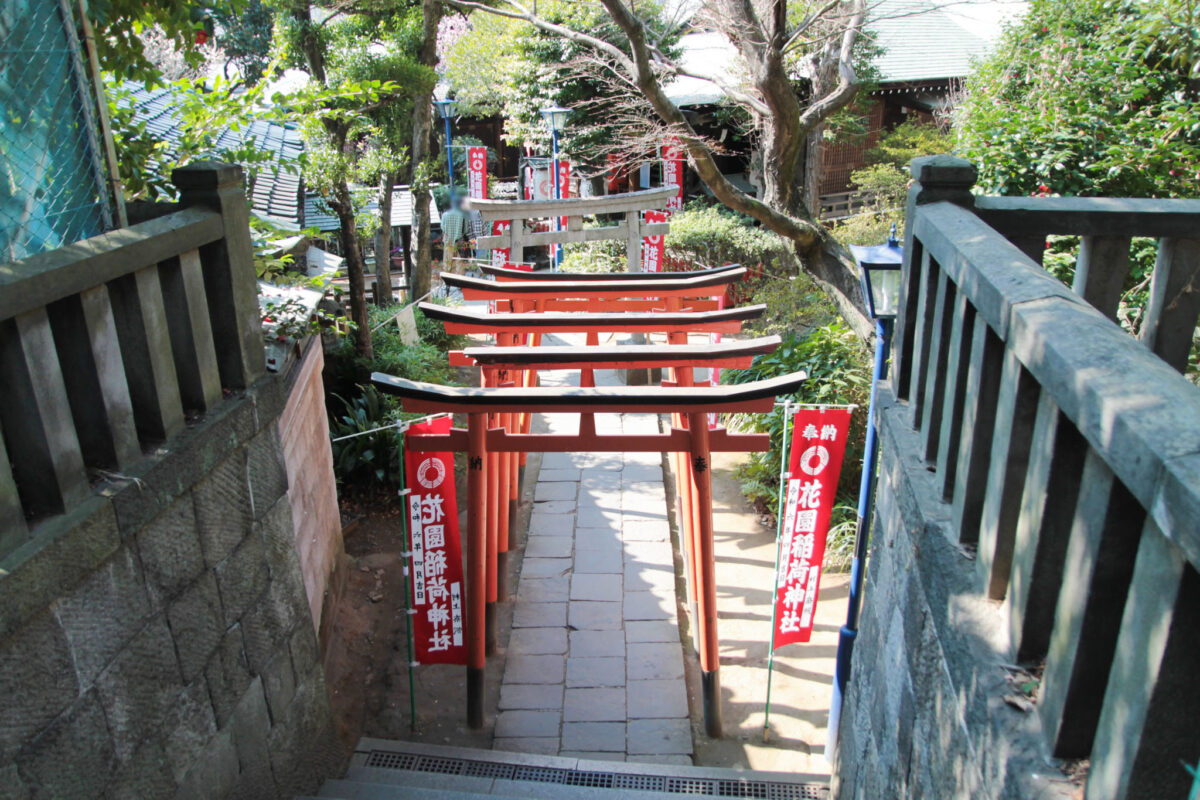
{"x":630,"y":230}
{"x":1069,"y":453}
{"x":111,"y":346}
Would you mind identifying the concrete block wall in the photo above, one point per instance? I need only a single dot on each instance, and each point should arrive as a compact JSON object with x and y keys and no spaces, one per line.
{"x":157,"y":641}
{"x":924,"y":713}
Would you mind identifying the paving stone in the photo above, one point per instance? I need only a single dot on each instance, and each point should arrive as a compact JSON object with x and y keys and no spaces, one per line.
{"x":537,"y":641}
{"x":644,"y":459}
{"x":554,"y":475}
{"x":599,"y":501}
{"x":560,"y":490}
{"x":590,"y":615}
{"x":534,"y":669}
{"x":550,"y":546}
{"x":598,"y":644}
{"x":543,"y":523}
{"x":543,"y":590}
{"x":527,"y":724}
{"x":596,"y":587}
{"x":656,"y":699}
{"x":599,"y":479}
{"x":654,"y":660}
{"x":654,"y":554}
{"x":589,"y":672}
{"x":683,"y":761}
{"x":648,"y":605}
{"x":651,"y":631}
{"x":539,"y":615}
{"x":594,"y":705}
{"x":599,"y":561}
{"x":551,"y":507}
{"x":531,"y":696}
{"x":644,"y":529}
{"x":639,"y":473}
{"x":598,"y":737}
{"x":542,"y":746}
{"x":660,"y":737}
{"x":591,"y":755}
{"x":649,"y":578}
{"x":558,"y":461}
{"x":545,"y":567}
{"x":602,"y":539}
{"x":599,"y":518}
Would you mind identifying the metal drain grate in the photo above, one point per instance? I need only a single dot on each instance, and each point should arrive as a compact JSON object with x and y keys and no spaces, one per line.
{"x":671,"y":784}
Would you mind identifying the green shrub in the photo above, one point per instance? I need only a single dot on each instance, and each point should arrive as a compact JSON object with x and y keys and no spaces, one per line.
{"x":601,"y":256}
{"x":713,"y":235}
{"x":839,"y":372}
{"x":356,"y":406}
{"x":372,"y":454}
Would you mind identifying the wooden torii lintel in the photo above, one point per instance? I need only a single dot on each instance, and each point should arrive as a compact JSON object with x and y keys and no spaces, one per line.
{"x":459,"y":320}
{"x":698,"y":286}
{"x":507,"y":274}
{"x":694,"y":402}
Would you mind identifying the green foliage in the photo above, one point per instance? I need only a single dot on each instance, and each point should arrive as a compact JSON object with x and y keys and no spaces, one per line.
{"x":906,"y":141}
{"x":884,"y":181}
{"x":119,"y":23}
{"x":713,"y":235}
{"x":508,"y":67}
{"x":839,"y":371}
{"x":371,"y":456}
{"x":1089,"y":97}
{"x":244,"y":35}
{"x":602,"y":256}
{"x":795,"y":305}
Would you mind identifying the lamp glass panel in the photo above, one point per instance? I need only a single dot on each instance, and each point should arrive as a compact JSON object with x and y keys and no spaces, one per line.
{"x":885,"y":290}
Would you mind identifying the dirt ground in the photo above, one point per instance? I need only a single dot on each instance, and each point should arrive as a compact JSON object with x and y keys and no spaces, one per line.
{"x":367,"y":654}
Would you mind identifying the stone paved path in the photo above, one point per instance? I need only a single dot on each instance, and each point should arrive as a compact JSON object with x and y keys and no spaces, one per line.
{"x":594,"y":664}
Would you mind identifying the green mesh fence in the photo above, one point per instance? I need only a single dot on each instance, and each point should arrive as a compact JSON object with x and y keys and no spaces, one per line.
{"x":51,"y":185}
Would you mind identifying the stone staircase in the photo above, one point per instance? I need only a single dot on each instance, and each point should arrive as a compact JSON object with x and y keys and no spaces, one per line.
{"x":395,"y":770}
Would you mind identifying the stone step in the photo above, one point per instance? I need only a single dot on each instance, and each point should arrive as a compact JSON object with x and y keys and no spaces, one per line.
{"x":499,"y":773}
{"x":369,"y":789}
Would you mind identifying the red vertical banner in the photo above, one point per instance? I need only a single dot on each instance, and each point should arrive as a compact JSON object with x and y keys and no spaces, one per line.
{"x":672,"y":172}
{"x":814,"y":465}
{"x":500,"y":256}
{"x":438,"y":591}
{"x":653,"y":247}
{"x":477,"y":172}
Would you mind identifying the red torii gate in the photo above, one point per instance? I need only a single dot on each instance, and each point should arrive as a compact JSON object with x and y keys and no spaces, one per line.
{"x":513,"y":327}
{"x":698,"y":441}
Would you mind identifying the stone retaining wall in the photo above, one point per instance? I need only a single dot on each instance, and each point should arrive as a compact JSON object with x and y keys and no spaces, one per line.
{"x":157,"y":641}
{"x":924,"y":714}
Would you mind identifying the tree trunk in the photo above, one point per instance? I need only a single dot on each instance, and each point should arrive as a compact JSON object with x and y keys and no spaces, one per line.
{"x":383,"y":242}
{"x":344,"y":209}
{"x":431,"y":15}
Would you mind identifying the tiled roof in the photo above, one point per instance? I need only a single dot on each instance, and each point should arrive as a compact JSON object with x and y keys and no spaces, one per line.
{"x":318,"y":215}
{"x":921,"y":41}
{"x":275,"y":195}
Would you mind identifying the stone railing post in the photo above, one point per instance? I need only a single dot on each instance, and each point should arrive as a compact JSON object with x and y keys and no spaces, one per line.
{"x":936,"y":179}
{"x":229,"y":277}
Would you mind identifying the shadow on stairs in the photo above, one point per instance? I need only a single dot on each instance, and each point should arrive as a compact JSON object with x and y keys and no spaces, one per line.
{"x":396,"y":770}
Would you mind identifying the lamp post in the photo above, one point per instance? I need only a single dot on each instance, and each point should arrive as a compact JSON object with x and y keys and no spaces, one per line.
{"x":880,"y":268}
{"x":446,"y":108}
{"x":556,"y":120}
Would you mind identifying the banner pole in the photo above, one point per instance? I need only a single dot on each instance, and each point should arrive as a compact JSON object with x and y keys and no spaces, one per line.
{"x":408,"y":609}
{"x":783,"y":477}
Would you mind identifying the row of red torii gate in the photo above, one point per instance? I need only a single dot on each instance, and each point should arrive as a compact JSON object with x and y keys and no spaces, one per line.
{"x":528,"y":306}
